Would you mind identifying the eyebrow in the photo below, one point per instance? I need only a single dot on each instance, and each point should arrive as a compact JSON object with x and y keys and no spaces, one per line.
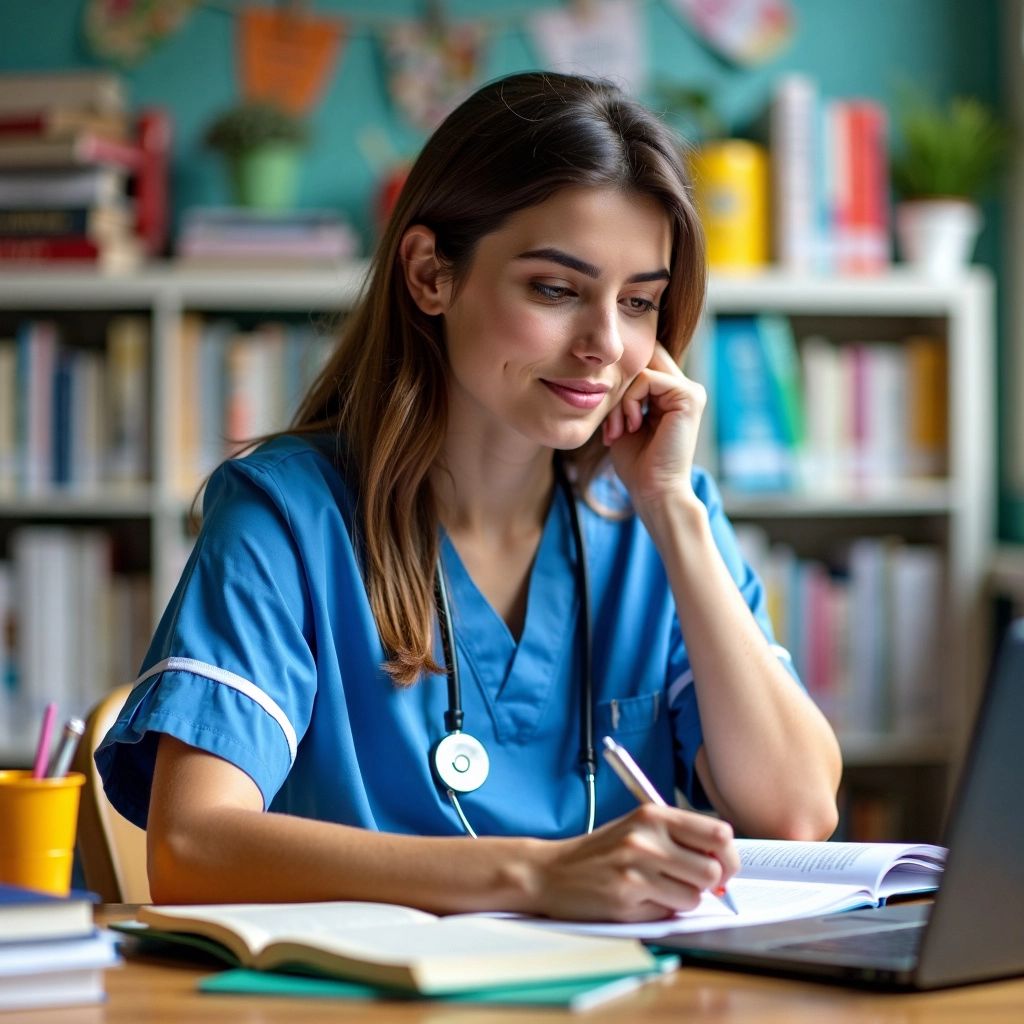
{"x":581,"y":266}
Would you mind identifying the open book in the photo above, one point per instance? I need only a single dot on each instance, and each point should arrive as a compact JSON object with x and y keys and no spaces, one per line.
{"x":782,"y":880}
{"x":392,"y":946}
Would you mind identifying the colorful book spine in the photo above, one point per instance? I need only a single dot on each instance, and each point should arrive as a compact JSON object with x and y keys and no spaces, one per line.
{"x":794,"y":132}
{"x":754,"y":451}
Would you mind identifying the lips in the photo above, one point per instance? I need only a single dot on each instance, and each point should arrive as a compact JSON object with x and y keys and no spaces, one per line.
{"x":580,"y":394}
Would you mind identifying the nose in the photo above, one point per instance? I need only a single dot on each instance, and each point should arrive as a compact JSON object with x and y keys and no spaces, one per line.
{"x":598,"y":339}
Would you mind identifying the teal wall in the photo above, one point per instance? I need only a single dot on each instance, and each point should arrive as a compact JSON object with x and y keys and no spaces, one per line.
{"x":852,"y":47}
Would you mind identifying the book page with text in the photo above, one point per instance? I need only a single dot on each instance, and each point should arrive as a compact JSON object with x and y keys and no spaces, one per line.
{"x":911,"y":867}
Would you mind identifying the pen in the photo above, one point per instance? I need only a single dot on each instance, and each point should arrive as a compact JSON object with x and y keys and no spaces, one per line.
{"x":643,"y":789}
{"x":43,"y":746}
{"x":61,"y":760}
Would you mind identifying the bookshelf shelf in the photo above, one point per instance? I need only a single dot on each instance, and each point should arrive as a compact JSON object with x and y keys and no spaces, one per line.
{"x":953,"y":512}
{"x":913,"y":498}
{"x":881,"y":750}
{"x":137,"y":504}
{"x":898,"y":291}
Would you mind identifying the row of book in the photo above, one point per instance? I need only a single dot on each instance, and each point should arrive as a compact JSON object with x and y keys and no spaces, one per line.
{"x":825,"y":415}
{"x":71,"y":627}
{"x":830,"y":175}
{"x":83,"y":180}
{"x":73,"y":416}
{"x":235,"y":384}
{"x":866,"y":632}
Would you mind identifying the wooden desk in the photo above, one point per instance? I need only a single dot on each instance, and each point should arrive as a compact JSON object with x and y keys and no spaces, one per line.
{"x":148,"y":992}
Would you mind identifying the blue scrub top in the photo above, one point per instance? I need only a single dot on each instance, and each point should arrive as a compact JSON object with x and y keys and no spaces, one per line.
{"x":268,"y":656}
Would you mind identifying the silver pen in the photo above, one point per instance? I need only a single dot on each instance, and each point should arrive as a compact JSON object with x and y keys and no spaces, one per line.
{"x":66,"y":747}
{"x":642,"y":788}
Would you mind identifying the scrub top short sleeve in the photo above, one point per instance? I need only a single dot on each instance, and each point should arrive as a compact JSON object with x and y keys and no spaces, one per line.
{"x":231,"y":668}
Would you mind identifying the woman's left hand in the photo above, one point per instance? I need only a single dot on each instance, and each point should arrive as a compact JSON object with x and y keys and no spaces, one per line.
{"x":653,"y":453}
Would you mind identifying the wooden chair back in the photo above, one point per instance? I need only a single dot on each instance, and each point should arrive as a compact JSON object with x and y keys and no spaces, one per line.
{"x":112,"y":850}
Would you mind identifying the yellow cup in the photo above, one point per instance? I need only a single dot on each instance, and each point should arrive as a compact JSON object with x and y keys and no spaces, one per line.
{"x":38,"y":820}
{"x":731,"y":188}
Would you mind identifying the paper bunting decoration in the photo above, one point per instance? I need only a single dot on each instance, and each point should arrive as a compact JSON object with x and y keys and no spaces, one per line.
{"x":287,"y":57}
{"x":603,"y":39}
{"x":125,"y":31}
{"x":432,"y":67}
{"x":743,"y":31}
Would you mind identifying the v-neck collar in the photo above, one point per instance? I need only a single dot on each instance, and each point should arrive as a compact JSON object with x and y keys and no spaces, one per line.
{"x":518,"y":679}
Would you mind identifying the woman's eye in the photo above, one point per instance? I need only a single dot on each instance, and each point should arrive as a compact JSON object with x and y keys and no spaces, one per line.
{"x":549,"y":291}
{"x":639,"y":305}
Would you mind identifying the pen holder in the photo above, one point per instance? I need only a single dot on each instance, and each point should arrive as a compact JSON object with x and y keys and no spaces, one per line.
{"x":38,"y":820}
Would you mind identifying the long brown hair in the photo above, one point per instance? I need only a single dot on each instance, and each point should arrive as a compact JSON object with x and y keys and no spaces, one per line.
{"x":511,"y":145}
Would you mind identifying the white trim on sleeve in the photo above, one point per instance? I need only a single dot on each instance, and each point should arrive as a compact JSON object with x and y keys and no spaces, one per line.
{"x":236,"y":682}
{"x":679,"y":684}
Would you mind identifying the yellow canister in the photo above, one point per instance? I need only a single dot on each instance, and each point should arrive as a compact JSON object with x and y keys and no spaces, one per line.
{"x":38,"y":821}
{"x":731,"y":187}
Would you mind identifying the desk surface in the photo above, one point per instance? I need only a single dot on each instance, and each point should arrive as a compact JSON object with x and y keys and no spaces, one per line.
{"x":140,"y":992}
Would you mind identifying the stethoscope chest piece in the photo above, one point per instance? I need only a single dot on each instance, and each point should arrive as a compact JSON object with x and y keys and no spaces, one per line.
{"x":461,"y":762}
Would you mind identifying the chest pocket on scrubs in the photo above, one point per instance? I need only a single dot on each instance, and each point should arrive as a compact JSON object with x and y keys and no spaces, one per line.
{"x":625,"y":715}
{"x":641,"y":725}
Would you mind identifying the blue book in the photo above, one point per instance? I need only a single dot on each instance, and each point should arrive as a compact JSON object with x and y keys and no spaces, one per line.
{"x":30,"y":916}
{"x":62,"y":417}
{"x":755,"y":443}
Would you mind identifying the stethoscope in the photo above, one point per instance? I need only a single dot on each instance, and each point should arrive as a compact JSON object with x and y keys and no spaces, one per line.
{"x":459,"y":760}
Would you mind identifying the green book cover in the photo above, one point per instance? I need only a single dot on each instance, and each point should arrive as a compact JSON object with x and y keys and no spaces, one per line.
{"x":575,"y":995}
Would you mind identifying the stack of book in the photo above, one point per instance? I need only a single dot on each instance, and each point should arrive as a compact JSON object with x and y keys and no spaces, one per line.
{"x":252,"y":237}
{"x":50,"y":952}
{"x":82,"y":180}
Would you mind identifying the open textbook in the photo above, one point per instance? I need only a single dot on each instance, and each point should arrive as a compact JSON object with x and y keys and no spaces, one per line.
{"x":391,"y":946}
{"x":781,"y":880}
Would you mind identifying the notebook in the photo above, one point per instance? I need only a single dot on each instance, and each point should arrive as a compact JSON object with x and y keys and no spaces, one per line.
{"x":972,"y":931}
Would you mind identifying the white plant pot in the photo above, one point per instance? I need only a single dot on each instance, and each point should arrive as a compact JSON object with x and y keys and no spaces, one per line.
{"x":937,"y":236}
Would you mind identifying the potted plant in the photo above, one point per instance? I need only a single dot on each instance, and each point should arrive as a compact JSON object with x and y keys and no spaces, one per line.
{"x":261,"y":144}
{"x":946,"y":159}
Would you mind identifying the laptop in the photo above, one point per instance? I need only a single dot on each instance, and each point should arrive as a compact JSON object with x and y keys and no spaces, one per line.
{"x":972,"y":931}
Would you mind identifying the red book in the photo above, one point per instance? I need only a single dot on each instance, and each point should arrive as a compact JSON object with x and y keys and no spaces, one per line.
{"x":151,"y":180}
{"x":123,"y":255}
{"x":68,"y":247}
{"x":54,"y":121}
{"x":866,"y":230}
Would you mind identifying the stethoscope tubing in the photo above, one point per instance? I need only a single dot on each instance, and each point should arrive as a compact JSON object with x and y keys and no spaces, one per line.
{"x":454,"y":715}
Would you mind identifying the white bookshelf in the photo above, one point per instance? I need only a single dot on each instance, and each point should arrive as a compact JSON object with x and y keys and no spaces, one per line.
{"x":959,"y":508}
{"x":962,"y":503}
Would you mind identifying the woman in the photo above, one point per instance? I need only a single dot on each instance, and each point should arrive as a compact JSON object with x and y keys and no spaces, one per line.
{"x":499,"y":455}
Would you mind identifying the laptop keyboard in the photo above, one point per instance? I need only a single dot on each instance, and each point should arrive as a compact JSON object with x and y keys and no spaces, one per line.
{"x":866,"y":945}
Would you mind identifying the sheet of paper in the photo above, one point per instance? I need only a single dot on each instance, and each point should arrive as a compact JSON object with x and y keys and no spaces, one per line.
{"x":758,"y":901}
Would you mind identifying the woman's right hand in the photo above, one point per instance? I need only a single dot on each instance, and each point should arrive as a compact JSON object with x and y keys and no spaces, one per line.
{"x":645,"y":866}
